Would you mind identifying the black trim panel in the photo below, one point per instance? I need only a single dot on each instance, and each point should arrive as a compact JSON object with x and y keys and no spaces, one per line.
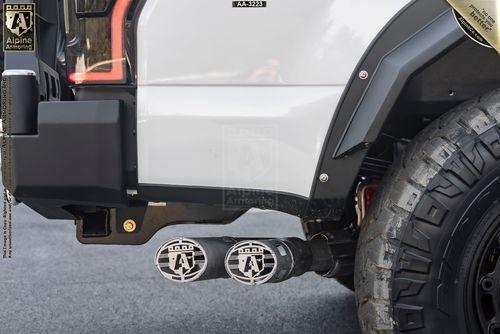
{"x":228,"y":197}
{"x":127,"y":95}
{"x":151,"y":219}
{"x":390,"y":77}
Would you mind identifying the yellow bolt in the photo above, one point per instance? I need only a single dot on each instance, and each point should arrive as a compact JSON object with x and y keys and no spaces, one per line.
{"x":129,"y":225}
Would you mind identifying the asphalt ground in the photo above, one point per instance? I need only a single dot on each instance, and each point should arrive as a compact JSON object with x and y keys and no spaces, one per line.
{"x":53,"y":284}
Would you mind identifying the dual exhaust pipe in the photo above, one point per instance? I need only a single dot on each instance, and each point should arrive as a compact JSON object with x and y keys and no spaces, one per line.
{"x":251,"y":262}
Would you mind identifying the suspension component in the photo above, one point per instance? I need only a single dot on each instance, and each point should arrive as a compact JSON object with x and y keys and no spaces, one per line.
{"x":364,"y":196}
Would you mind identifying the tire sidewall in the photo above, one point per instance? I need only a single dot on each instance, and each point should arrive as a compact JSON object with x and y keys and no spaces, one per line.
{"x":453,"y":245}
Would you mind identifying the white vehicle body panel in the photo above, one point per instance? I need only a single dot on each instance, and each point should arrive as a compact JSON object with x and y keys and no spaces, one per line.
{"x":236,"y":137}
{"x":243,"y":98}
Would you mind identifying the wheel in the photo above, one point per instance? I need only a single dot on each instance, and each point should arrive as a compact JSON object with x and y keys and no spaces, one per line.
{"x":428,"y":255}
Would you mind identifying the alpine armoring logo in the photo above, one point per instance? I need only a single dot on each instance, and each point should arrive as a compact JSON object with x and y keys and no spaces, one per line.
{"x":251,"y":262}
{"x":19,"y":27}
{"x":181,"y":260}
{"x":469,"y":30}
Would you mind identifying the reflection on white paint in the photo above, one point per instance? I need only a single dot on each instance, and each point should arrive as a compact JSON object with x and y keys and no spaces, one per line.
{"x":267,"y":138}
{"x":243,"y":98}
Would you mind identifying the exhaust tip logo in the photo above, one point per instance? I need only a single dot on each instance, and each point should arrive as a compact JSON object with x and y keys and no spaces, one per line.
{"x":181,"y":260}
{"x":19,"y":27}
{"x":251,"y":263}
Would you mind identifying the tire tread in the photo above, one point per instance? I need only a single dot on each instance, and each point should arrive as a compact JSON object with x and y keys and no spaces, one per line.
{"x":382,"y":243}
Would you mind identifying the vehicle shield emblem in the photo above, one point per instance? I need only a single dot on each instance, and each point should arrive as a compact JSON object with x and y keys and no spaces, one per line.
{"x":181,"y":260}
{"x":19,"y":27}
{"x":251,"y":262}
{"x":19,"y":19}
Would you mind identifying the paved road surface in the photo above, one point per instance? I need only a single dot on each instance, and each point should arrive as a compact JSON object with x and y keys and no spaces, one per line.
{"x":56,"y":285}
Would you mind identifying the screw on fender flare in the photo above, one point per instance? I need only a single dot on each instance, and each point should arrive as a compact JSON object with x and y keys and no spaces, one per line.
{"x":363,"y":75}
{"x":323,"y":178}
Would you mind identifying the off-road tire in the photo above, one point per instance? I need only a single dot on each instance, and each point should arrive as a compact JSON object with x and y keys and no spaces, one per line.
{"x":414,"y":244}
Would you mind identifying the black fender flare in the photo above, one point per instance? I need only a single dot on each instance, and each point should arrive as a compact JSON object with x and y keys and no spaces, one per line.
{"x":420,"y":33}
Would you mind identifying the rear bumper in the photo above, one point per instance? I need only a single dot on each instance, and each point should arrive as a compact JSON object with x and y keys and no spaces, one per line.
{"x":75,"y":157}
{"x":73,"y":168}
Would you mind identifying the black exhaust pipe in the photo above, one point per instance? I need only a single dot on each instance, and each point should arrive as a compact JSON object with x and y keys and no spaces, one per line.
{"x":254,"y":262}
{"x":250,"y":262}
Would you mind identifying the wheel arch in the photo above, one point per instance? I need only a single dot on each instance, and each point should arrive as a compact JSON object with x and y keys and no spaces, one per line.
{"x":411,"y":67}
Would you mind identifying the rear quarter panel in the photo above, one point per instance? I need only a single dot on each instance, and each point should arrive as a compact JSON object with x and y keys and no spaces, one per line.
{"x":243,"y":97}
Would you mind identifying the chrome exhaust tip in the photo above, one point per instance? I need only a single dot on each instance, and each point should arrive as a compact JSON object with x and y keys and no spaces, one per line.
{"x":188,"y":259}
{"x":181,"y":260}
{"x":253,"y":262}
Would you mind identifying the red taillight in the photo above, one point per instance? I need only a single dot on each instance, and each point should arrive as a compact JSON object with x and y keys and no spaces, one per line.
{"x":99,"y":69}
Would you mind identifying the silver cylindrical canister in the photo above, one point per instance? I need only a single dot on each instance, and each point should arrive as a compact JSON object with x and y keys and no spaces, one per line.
{"x":193,"y":259}
{"x":255,"y":262}
{"x":19,"y":102}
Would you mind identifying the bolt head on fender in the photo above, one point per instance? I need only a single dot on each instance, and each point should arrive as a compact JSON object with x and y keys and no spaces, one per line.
{"x":323,"y":178}
{"x":251,"y":262}
{"x":181,"y":260}
{"x":363,"y":75}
